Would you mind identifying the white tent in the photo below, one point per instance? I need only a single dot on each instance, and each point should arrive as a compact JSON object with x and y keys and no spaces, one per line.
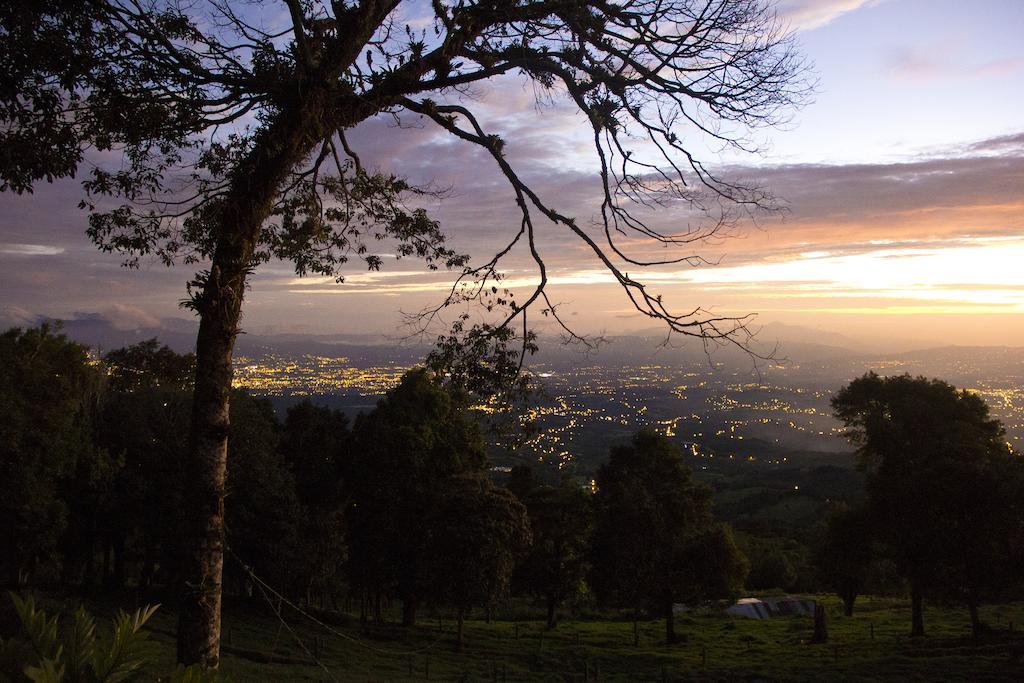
{"x":774,"y":606}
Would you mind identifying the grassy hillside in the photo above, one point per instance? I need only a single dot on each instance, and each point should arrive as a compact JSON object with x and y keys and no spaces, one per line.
{"x":871,"y":645}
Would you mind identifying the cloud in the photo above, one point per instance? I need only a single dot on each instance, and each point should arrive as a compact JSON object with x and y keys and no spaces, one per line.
{"x":30,"y":250}
{"x":957,"y":197}
{"x":911,"y":65}
{"x":807,"y":15}
{"x":1004,"y":144}
{"x":947,"y":62}
{"x":16,"y":316}
{"x":127,"y":317}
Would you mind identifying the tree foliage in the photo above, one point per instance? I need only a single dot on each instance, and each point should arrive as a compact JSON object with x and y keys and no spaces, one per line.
{"x":845,"y":553}
{"x":48,"y":395}
{"x":149,"y":365}
{"x":316,"y":443}
{"x":655,"y":541}
{"x":476,"y":534}
{"x":932,"y":455}
{"x":411,"y":452}
{"x":556,"y":565}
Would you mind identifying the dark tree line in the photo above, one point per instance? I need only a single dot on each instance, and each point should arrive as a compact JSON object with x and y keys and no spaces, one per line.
{"x":400,"y":505}
{"x":397,"y":506}
{"x":944,"y":497}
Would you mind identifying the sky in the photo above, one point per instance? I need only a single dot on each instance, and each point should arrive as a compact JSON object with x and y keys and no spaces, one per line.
{"x":902,"y":181}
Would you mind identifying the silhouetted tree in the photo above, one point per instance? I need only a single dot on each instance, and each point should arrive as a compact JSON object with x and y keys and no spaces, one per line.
{"x":263,"y":514}
{"x":927,"y":450}
{"x":144,"y":413}
{"x":521,"y":481}
{"x":231,"y":126}
{"x":48,"y":390}
{"x":316,"y":443}
{"x":845,"y":553}
{"x":555,"y":567}
{"x":655,"y":541}
{"x":770,"y":568}
{"x":410,"y":451}
{"x":476,"y":533}
{"x":149,"y":365}
{"x":983,"y":560}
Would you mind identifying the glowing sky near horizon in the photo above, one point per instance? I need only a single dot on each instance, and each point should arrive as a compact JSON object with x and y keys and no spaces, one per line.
{"x":904,"y":182}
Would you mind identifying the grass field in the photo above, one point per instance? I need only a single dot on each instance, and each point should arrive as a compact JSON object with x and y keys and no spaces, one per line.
{"x":871,"y":645}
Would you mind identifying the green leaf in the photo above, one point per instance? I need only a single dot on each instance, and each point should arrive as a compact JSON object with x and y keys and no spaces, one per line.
{"x":81,"y":645}
{"x":40,"y":630}
{"x":128,"y":649}
{"x":47,"y":672}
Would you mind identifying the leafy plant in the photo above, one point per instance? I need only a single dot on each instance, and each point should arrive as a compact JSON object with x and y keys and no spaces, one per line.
{"x":48,"y":654}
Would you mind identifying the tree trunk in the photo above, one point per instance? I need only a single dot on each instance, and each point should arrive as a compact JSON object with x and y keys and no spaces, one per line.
{"x":552,"y":614}
{"x":972,"y":608}
{"x":106,"y":562}
{"x":820,"y":634}
{"x":409,"y":611}
{"x":254,"y":188}
{"x":119,"y":560}
{"x":670,"y":625}
{"x":849,"y":597}
{"x":916,"y":610}
{"x":199,"y":615}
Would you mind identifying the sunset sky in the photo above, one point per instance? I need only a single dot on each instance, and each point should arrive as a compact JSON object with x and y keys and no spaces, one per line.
{"x":903,"y":182}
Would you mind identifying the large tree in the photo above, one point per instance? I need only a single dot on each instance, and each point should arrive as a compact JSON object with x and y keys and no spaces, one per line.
{"x":48,"y":394}
{"x":411,"y":453}
{"x":228,"y":125}
{"x":933,"y":457}
{"x":316,"y":443}
{"x":476,"y":532}
{"x":555,"y":566}
{"x":655,"y":541}
{"x":844,"y":553}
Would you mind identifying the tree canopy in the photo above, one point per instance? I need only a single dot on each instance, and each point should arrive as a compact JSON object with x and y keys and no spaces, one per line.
{"x":411,"y":453}
{"x":48,"y":398}
{"x":556,"y":564}
{"x":930,"y":453}
{"x":655,"y":540}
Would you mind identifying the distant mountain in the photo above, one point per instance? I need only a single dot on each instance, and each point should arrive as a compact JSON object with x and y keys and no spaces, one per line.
{"x":104,"y":335}
{"x":791,"y":343}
